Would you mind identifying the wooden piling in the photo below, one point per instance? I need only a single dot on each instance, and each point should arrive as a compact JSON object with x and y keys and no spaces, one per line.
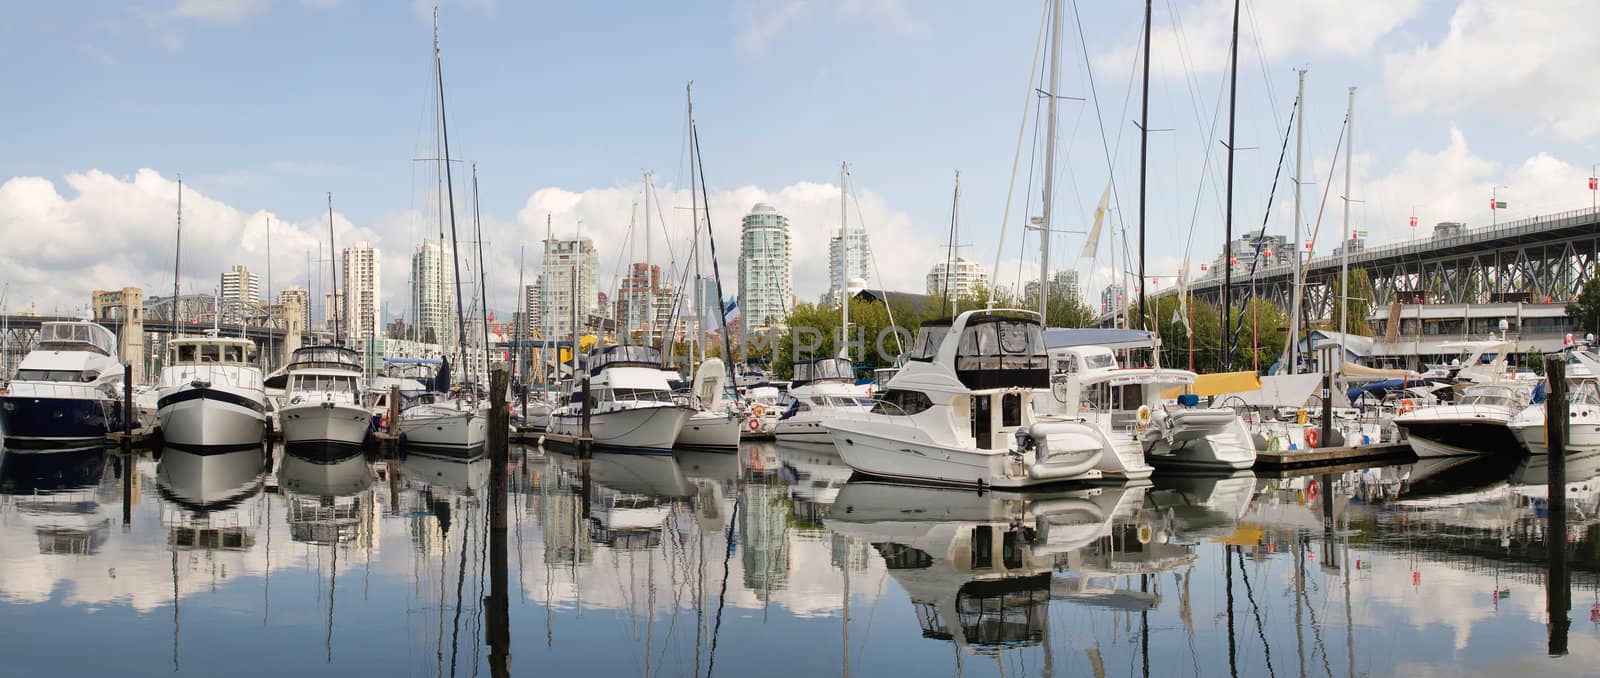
{"x":394,"y":409}
{"x":128,"y":413}
{"x":497,"y":630}
{"x":1558,"y":591}
{"x":586,"y":439}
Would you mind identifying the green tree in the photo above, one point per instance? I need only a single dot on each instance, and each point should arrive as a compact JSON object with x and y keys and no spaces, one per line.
{"x":1585,"y":310}
{"x":1534,"y":360}
{"x":1358,"y":305}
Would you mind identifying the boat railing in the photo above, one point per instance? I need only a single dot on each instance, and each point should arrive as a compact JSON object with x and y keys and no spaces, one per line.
{"x":48,"y":389}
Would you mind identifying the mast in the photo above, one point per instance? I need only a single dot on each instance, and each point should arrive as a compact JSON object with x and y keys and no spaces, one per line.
{"x":716,"y":271}
{"x":844,"y":270}
{"x":650,"y":282}
{"x":1227,"y":244}
{"x":1299,"y":254}
{"x":263,"y":354}
{"x":450,"y":196}
{"x":177,"y":260}
{"x":333,"y":267}
{"x":1049,"y":165}
{"x":694,"y":210}
{"x":483,"y":284}
{"x":1344,"y":248}
{"x":522,"y":321}
{"x":1144,"y":143}
{"x":950,"y":247}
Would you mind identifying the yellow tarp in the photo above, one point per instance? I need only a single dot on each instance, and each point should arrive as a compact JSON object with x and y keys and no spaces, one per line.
{"x":1245,"y":535}
{"x":1207,"y":385}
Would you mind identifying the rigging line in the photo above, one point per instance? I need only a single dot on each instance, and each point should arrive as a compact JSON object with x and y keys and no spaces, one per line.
{"x":873,"y":255}
{"x":1033,"y":157}
{"x":1255,"y":262}
{"x":1261,"y":58}
{"x":716,"y":268}
{"x":1192,"y":84}
{"x":722,"y":597}
{"x":1261,"y":631}
{"x":1094,"y":93}
{"x":1033,"y":68}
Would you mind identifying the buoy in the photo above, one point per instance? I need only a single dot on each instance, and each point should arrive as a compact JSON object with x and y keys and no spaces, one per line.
{"x":1407,"y":406}
{"x":755,"y":424}
{"x":383,"y":421}
{"x":1313,"y":490}
{"x":758,"y":411}
{"x":1313,"y":439}
{"x":1144,"y":415}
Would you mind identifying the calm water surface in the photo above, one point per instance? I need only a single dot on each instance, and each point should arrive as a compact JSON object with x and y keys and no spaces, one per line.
{"x":768,"y":562}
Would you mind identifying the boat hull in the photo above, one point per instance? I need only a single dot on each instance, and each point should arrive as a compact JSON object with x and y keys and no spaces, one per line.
{"x":639,"y":429}
{"x":711,"y":430}
{"x":905,"y":453}
{"x":25,"y":419}
{"x":1451,"y":438}
{"x":212,"y":416}
{"x":446,"y":430}
{"x":324,"y":422}
{"x":1202,"y":440}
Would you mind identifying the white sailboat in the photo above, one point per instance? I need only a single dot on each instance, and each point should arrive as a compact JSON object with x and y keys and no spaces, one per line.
{"x":715,"y":424}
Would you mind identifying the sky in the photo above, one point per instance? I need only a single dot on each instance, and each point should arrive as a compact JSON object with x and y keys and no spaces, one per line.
{"x":265,"y":107}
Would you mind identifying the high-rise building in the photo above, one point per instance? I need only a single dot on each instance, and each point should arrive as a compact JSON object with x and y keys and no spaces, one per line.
{"x":300,"y":296}
{"x":564,"y":259}
{"x":433,"y":299}
{"x":332,"y":307}
{"x":240,"y":288}
{"x":766,"y":282}
{"x":848,"y":259}
{"x":1063,"y":281}
{"x":1272,"y":250}
{"x":362,"y":310}
{"x":636,"y":301}
{"x":530,"y":301}
{"x":1112,"y":298}
{"x":965,"y":279}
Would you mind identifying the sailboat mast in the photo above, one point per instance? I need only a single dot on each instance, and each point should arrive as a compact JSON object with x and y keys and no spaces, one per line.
{"x":1144,"y":144}
{"x":694,"y":210}
{"x":1227,"y":243}
{"x":650,"y":280}
{"x":950,"y":247}
{"x":483,"y":284}
{"x":269,"y":287}
{"x":844,"y":269}
{"x":333,"y":268}
{"x":1299,"y":253}
{"x":1344,"y":248}
{"x":177,"y":260}
{"x":450,"y":195}
{"x":1049,"y":165}
{"x":522,"y":320}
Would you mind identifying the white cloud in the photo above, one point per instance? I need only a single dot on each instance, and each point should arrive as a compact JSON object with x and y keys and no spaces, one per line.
{"x":1347,"y":30}
{"x":1527,"y":60}
{"x":765,"y":20}
{"x":219,"y":10}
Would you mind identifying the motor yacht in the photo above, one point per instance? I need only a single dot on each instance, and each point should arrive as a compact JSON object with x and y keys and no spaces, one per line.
{"x":1477,"y":423}
{"x":67,"y":389}
{"x":1583,"y":412}
{"x":763,"y":407}
{"x":322,"y":397}
{"x":960,"y":411}
{"x":822,"y":389}
{"x":630,"y":402}
{"x":211,"y":393}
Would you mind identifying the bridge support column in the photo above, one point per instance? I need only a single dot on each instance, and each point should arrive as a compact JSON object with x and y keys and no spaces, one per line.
{"x":124,"y":310}
{"x":289,"y":312}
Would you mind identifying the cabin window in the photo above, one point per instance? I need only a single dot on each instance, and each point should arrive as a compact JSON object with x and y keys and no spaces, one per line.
{"x":56,"y":375}
{"x":902,"y":402}
{"x":1011,"y":409}
{"x":982,"y":547}
{"x":929,"y":337}
{"x":998,"y":352}
{"x":902,"y":557}
{"x":210,"y":353}
{"x":188,"y":353}
{"x":1011,"y":549}
{"x":233,"y":354}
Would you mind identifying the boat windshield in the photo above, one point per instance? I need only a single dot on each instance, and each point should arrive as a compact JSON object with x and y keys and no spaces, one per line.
{"x":325,"y":383}
{"x":629,"y":354}
{"x":83,"y":376}
{"x":1492,"y":395}
{"x":78,"y":336}
{"x":824,"y":368}
{"x":929,"y":336}
{"x":326,"y":355}
{"x":209,"y":352}
{"x":1001,"y":352}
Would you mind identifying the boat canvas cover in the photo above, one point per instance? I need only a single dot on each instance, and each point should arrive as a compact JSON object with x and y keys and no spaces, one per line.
{"x":1222,"y":383}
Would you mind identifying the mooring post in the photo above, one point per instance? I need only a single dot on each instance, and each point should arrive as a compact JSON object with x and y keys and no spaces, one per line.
{"x":1558,"y":592}
{"x":394,"y":409}
{"x":497,"y":630}
{"x":583,"y":440}
{"x":127,"y":403}
{"x":499,"y":447}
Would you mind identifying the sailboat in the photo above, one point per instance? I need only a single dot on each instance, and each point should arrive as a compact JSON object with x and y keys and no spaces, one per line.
{"x":460,"y":424}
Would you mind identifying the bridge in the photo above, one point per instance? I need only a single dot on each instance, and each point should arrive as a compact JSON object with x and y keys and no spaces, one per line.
{"x":1543,"y":259}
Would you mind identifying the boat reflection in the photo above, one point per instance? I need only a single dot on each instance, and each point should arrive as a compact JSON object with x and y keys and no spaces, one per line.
{"x":59,"y":492}
{"x":328,"y":489}
{"x":1194,"y":507}
{"x":982,"y":568}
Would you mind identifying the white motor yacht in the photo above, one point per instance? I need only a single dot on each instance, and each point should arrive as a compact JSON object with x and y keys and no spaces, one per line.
{"x":960,"y":411}
{"x":68,"y":388}
{"x":211,"y":393}
{"x":1478,"y":423}
{"x":1583,"y":413}
{"x":323,"y":397}
{"x":715,"y":424}
{"x":630,"y":402}
{"x":822,"y":389}
{"x":763,"y":403}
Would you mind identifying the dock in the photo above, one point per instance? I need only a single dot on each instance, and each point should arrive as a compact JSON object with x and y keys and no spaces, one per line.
{"x":1331,"y":456}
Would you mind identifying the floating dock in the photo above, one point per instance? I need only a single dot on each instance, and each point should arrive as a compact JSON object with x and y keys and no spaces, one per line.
{"x":1331,"y":456}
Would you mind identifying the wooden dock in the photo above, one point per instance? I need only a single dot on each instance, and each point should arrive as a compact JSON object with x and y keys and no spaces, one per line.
{"x":1331,"y":456}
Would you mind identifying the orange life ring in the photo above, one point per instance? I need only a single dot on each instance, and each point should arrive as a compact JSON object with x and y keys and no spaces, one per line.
{"x":1408,"y":405}
{"x":755,"y":424}
{"x":1313,"y":438}
{"x":758,"y":411}
{"x":1313,"y":490}
{"x":383,"y":421}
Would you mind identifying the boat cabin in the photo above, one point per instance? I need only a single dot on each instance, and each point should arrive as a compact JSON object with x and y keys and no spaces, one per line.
{"x":325,"y":357}
{"x":210,"y":351}
{"x":823,"y":369}
{"x":993,"y":350}
{"x":77,"y":336}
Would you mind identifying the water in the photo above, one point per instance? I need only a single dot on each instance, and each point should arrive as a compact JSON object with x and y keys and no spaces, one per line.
{"x":767,"y":562}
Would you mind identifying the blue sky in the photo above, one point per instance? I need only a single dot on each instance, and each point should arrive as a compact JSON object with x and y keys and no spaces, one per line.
{"x":265,"y":106}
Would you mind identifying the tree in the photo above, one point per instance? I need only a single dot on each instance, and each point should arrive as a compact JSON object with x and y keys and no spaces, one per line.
{"x":1585,"y":310}
{"x":1534,"y":360}
{"x":1359,"y":303}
